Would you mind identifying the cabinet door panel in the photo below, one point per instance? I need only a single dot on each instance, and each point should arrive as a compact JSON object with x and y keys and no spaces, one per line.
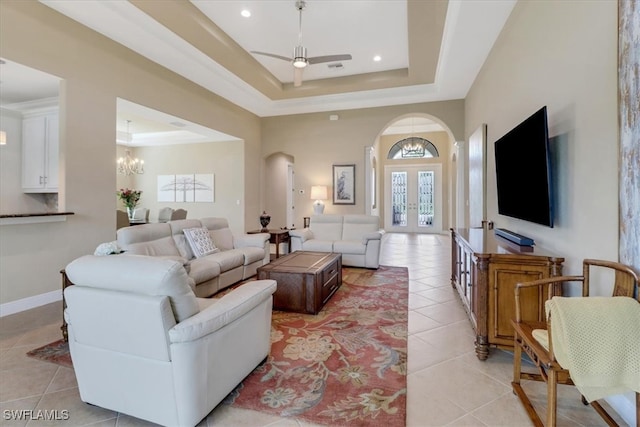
{"x":502,"y":300}
{"x":33,"y":153}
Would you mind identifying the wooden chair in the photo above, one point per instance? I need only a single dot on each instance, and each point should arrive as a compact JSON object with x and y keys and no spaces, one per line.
{"x":625,"y":284}
{"x":122,"y":219}
{"x":178,"y":214}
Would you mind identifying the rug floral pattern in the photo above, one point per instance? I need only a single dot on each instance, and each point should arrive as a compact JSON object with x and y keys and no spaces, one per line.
{"x":347,"y":365}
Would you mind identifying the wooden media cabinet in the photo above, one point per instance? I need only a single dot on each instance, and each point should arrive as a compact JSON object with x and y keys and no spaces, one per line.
{"x":484,"y":271}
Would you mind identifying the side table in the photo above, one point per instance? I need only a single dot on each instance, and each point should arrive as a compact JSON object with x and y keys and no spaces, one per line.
{"x":275,"y":236}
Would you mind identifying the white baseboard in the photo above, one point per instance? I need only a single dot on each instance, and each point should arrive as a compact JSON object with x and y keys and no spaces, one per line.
{"x":624,"y":407}
{"x":29,"y":303}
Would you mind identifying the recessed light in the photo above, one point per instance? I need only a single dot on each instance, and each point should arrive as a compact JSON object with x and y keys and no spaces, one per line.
{"x":377,"y":58}
{"x":246,"y":13}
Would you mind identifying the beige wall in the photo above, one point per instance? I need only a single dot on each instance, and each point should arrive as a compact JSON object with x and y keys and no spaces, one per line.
{"x":561,"y":54}
{"x":223,"y":159}
{"x":95,"y":72}
{"x":545,"y":56}
{"x":316,"y":143}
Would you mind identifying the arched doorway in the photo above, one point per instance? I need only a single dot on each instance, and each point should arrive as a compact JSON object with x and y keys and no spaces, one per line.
{"x":417,"y":182}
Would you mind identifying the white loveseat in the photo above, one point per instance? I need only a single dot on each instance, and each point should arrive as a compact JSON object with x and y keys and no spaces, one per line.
{"x":238,"y":257}
{"x":356,"y":237}
{"x":142,"y":344}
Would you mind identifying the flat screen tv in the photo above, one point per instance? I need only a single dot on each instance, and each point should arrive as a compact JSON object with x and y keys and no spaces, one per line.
{"x":523,"y":171}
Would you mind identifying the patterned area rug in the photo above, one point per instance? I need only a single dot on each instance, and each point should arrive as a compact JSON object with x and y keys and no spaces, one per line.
{"x":344,"y":366}
{"x":55,"y":352}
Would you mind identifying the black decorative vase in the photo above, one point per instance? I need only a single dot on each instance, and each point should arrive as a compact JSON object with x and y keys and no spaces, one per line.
{"x":265,"y":219}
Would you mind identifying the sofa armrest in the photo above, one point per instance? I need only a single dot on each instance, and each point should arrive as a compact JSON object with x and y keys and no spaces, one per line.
{"x":376,"y":235}
{"x":245,"y":240}
{"x":223,"y":312}
{"x":304,"y":234}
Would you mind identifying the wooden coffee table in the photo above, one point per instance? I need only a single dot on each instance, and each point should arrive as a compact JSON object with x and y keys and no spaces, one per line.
{"x":306,"y":280}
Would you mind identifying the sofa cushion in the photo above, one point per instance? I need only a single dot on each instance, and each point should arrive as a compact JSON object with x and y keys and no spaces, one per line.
{"x":178,"y":226}
{"x":252,"y":254}
{"x":181,"y":260}
{"x":224,"y":311}
{"x":183,"y":246}
{"x":213,"y":223}
{"x":159,"y":247}
{"x":228,"y":260}
{"x":202,"y":269}
{"x":200,"y":241}
{"x":318,"y":245}
{"x":203,"y":303}
{"x":142,"y":233}
{"x":220,"y":232}
{"x":356,"y":226}
{"x":180,"y":240}
{"x":222,"y":238}
{"x":137,"y":274}
{"x":326,"y":227}
{"x":349,"y":247}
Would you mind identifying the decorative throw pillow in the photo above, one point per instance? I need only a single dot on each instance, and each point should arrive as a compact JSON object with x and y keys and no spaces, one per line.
{"x":200,"y":241}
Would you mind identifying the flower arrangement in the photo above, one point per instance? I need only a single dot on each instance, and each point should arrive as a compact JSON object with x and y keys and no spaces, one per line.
{"x":129,"y":197}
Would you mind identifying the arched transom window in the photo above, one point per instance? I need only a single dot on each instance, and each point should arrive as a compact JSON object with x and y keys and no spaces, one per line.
{"x":413,"y":147}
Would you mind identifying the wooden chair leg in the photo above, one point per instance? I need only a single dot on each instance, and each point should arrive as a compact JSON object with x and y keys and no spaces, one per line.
{"x":517,"y":387}
{"x":552,"y":397}
{"x":517,"y":363}
{"x":637,"y":409}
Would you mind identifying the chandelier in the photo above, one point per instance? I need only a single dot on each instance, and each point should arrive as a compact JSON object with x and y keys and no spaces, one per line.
{"x":128,"y":165}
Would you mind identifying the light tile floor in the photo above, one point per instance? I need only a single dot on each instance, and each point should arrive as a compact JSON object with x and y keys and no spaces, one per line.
{"x":447,"y":384}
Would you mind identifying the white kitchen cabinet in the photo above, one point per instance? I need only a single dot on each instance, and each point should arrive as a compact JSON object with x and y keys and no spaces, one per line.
{"x":40,"y":153}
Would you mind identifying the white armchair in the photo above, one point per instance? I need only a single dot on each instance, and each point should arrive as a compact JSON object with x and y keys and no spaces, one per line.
{"x":142,"y":343}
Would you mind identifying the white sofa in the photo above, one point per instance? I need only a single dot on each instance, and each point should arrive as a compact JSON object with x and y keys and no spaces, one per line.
{"x":142,"y":344}
{"x":356,"y":237}
{"x":238,"y":259}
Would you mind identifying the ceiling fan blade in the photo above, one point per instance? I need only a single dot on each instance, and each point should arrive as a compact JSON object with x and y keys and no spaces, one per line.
{"x":328,"y":58}
{"x":272,"y":55}
{"x":297,"y":77}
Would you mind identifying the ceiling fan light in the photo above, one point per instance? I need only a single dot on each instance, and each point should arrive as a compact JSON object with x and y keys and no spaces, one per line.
{"x":300,"y":57}
{"x":300,"y":62}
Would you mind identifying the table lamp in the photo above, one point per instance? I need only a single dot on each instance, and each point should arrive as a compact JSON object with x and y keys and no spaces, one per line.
{"x":318,"y":193}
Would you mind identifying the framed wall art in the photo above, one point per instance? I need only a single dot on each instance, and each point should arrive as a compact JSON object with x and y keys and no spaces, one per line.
{"x":344,"y":184}
{"x":186,"y":188}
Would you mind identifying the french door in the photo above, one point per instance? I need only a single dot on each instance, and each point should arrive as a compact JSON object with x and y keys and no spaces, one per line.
{"x":413,"y":203}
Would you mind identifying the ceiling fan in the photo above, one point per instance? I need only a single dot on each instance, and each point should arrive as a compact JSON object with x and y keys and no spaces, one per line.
{"x":300,"y":59}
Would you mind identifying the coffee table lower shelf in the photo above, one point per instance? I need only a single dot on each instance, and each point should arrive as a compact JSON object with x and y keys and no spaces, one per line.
{"x":306,"y":280}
